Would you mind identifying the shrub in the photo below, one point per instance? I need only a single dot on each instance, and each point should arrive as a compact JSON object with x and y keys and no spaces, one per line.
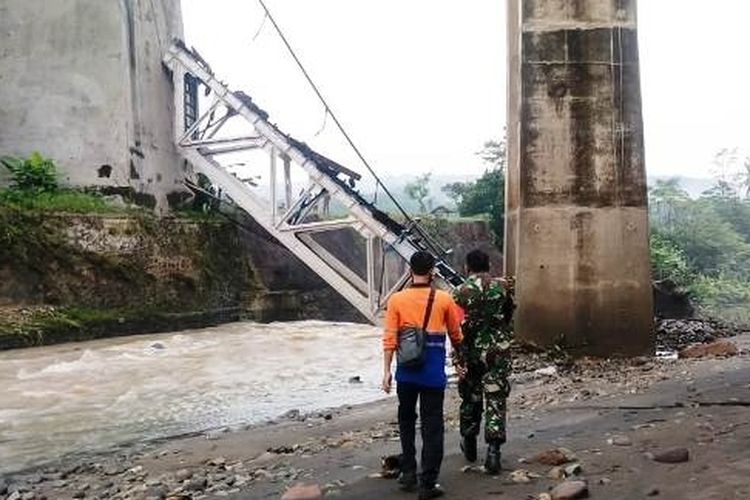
{"x":34,"y":173}
{"x":726,"y":297}
{"x":668,"y":261}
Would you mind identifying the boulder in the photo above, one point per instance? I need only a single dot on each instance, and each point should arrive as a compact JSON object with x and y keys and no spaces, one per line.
{"x":554,"y":457}
{"x":570,"y":490}
{"x":303,"y":492}
{"x":719,"y":348}
{"x":620,"y":441}
{"x":672,"y":456}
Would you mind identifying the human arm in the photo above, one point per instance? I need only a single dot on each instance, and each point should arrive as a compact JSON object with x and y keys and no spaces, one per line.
{"x":387,"y":378}
{"x":453,"y":320}
{"x":390,"y":343}
{"x":453,"y":323}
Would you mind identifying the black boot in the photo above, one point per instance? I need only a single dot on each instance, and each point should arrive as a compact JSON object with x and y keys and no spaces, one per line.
{"x":430,"y":492}
{"x":492,"y":463}
{"x":469,"y":447}
{"x":408,"y":481}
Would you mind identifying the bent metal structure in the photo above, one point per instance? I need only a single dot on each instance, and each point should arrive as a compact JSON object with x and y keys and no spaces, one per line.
{"x":199,"y":141}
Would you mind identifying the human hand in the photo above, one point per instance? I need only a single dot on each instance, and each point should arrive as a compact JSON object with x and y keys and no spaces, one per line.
{"x":461,"y":371}
{"x":509,"y":283}
{"x":387,"y":382}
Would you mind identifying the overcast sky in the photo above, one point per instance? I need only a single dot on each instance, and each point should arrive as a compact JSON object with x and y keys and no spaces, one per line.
{"x":420,"y":84}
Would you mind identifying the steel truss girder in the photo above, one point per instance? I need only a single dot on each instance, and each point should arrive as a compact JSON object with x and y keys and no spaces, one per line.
{"x":198,"y":145}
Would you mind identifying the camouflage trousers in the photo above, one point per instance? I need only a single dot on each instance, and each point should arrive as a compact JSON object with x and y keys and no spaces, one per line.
{"x":485,"y":390}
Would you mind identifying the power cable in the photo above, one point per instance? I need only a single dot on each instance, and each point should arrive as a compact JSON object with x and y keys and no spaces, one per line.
{"x":331,"y":113}
{"x":260,"y":28}
{"x":323,"y":126}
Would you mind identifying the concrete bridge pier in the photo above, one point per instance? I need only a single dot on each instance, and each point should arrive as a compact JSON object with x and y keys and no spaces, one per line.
{"x":577,"y":220}
{"x":82,"y":82}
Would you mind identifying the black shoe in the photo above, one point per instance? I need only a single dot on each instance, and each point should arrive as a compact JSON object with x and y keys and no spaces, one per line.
{"x":469,"y":447}
{"x":492,"y":463}
{"x":434,"y":491}
{"x":408,"y":481}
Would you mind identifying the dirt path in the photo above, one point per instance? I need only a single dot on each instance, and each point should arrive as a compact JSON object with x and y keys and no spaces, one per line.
{"x":648,"y":405}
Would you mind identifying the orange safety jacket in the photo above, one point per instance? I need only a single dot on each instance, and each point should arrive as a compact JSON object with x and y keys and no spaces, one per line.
{"x":407,"y":308}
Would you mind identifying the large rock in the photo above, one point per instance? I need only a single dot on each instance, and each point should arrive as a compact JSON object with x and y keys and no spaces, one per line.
{"x":620,"y":441}
{"x":718,"y":348}
{"x":554,"y":457}
{"x":672,"y":456}
{"x":570,"y":490}
{"x":303,"y":492}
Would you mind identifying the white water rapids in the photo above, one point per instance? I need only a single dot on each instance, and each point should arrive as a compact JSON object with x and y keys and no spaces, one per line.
{"x":95,"y":395}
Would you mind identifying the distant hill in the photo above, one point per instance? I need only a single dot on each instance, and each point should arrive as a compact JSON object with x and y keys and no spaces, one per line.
{"x":396,"y":184}
{"x":694,"y":186}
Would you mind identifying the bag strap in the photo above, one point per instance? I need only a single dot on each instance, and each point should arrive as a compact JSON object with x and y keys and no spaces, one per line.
{"x":428,"y":311}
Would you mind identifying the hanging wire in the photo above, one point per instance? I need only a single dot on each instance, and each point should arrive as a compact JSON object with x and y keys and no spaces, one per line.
{"x":325,"y":122}
{"x":332,"y":114}
{"x":381,"y":286}
{"x":260,"y":28}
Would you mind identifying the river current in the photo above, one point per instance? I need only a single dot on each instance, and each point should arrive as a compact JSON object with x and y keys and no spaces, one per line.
{"x":96,"y":395}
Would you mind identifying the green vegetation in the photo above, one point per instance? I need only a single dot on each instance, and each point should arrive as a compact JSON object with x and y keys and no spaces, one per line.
{"x":32,"y":174}
{"x":34,"y":186}
{"x":419,"y":191}
{"x":68,"y":200}
{"x":486,"y":195}
{"x":45,"y":318}
{"x":703,"y":245}
{"x":44,"y":325}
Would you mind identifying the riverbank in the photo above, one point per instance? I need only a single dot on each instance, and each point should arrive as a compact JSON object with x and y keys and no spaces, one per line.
{"x":89,"y":274}
{"x":67,"y":277}
{"x":609,"y":413}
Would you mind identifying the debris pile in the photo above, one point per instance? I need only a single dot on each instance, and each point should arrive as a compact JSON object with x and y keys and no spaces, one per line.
{"x":675,"y":334}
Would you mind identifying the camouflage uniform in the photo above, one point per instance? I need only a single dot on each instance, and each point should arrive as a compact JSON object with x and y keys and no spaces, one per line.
{"x":485,"y":351}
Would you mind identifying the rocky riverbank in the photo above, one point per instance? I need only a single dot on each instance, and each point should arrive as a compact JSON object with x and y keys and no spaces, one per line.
{"x":70,"y":277}
{"x":340,"y":450}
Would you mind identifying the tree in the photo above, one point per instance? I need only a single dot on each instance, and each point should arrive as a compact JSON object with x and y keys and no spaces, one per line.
{"x":668,"y":261}
{"x":722,"y":190}
{"x":744,"y":178}
{"x":725,"y":162}
{"x":710,"y":243}
{"x":495,"y":153}
{"x":666,"y":198}
{"x":703,"y":244}
{"x":419,"y":191}
{"x":486,"y":195}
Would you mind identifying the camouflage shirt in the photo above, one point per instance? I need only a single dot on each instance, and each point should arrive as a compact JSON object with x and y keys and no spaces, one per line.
{"x":487,"y":326}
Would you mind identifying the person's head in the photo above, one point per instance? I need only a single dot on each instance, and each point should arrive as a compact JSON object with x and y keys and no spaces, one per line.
{"x":422,"y":264}
{"x":477,"y":262}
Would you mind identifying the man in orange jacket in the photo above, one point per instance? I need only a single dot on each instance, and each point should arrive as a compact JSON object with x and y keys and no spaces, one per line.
{"x":426,"y":382}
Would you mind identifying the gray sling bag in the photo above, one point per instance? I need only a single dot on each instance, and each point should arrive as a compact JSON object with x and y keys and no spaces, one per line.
{"x":412,"y":340}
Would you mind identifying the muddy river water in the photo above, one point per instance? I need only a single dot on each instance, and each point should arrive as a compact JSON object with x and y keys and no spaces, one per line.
{"x":95,"y":395}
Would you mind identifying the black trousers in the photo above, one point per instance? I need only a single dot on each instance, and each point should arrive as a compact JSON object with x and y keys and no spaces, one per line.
{"x":432,"y":426}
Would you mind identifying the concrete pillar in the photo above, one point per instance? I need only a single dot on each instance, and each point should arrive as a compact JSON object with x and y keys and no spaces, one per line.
{"x":81,"y":81}
{"x":577,"y":225}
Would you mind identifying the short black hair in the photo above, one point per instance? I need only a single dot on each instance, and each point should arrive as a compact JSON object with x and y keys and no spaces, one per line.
{"x":478,"y":261}
{"x":422,"y":263}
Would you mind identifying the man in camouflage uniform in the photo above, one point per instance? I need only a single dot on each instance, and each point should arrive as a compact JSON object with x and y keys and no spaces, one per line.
{"x":484,"y":361}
